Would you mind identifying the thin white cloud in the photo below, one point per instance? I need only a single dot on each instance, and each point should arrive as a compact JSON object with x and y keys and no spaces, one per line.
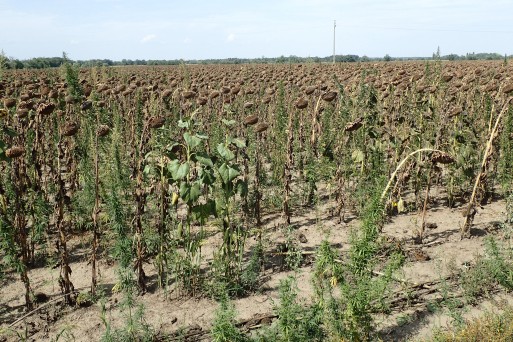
{"x":230,"y":38}
{"x":148,"y":38}
{"x":24,"y":22}
{"x":253,"y":29}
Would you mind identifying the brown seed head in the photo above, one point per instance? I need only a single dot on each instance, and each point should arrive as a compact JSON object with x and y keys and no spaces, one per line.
{"x":235,"y":90}
{"x":45,"y":91}
{"x":492,"y":87}
{"x":309,"y":90}
{"x":103,"y":130}
{"x":353,"y":126}
{"x":266,"y":99}
{"x":214,"y":94}
{"x":447,"y":77}
{"x":22,"y":112}
{"x":455,"y":111}
{"x":167,"y":93}
{"x":45,"y":108}
{"x":88,"y":90}
{"x":25,"y":105}
{"x":120,"y":88}
{"x":156,"y":122}
{"x":53,"y":94}
{"x":202,"y":100}
{"x":250,"y":120}
{"x":508,"y":88}
{"x":86,"y":105}
{"x":329,"y":96}
{"x":9,"y":103}
{"x":261,"y":127}
{"x":301,"y":103}
{"x":188,"y":94}
{"x":102,"y":87}
{"x":70,"y":129}
{"x":14,"y":152}
{"x":442,"y":158}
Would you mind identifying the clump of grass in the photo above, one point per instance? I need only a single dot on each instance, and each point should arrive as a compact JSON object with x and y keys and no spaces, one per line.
{"x":349,"y":315}
{"x":476,"y":281}
{"x":489,"y":327}
{"x":328,"y":270}
{"x":135,"y":328}
{"x":219,"y":286}
{"x":509,"y":211}
{"x":493,"y":269}
{"x":292,"y":250}
{"x":500,"y":263}
{"x":295,"y":322}
{"x":223,"y":328}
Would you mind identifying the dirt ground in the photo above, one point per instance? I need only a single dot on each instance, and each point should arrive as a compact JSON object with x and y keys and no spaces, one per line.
{"x":442,"y":252}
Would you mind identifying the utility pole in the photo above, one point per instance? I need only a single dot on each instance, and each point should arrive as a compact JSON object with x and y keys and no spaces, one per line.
{"x":334,"y":26}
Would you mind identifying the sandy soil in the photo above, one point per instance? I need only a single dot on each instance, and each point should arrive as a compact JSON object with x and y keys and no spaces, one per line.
{"x":168,"y":312}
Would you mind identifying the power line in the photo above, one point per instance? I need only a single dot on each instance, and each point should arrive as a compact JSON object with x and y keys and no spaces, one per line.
{"x":309,"y":28}
{"x":426,"y":29}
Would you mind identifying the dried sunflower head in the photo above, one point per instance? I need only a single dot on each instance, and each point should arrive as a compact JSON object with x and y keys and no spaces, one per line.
{"x":14,"y":152}
{"x":250,"y":120}
{"x":70,"y":129}
{"x":261,"y":127}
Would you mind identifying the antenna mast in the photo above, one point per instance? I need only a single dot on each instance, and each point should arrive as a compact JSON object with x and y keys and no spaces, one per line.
{"x":334,"y":26}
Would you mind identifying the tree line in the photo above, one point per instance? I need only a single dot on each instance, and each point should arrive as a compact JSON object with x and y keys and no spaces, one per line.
{"x":51,"y":62}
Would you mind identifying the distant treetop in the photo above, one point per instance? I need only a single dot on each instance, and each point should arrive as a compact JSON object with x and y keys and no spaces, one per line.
{"x":51,"y":62}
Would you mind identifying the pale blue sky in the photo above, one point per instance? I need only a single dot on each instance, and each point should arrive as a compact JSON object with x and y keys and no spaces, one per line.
{"x":153,"y":29}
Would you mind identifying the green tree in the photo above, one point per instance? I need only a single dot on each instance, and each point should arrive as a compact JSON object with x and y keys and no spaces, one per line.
{"x":3,"y":62}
